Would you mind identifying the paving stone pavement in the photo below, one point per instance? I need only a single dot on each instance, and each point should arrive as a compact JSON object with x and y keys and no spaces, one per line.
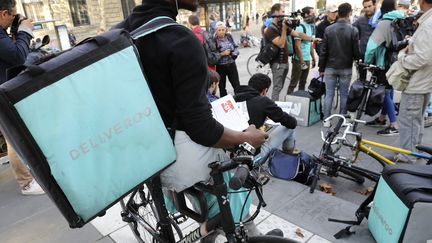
{"x":290,"y":205}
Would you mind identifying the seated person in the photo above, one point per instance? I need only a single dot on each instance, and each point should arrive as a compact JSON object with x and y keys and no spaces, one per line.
{"x":259,"y":108}
{"x":214,"y":78}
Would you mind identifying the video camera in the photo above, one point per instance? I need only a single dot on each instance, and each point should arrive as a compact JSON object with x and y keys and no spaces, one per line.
{"x":408,"y":25}
{"x":290,"y":20}
{"x":15,"y":24}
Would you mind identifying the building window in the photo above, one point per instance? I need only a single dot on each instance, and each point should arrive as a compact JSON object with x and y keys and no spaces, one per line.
{"x":127,"y":6}
{"x":33,"y":9}
{"x":79,"y":12}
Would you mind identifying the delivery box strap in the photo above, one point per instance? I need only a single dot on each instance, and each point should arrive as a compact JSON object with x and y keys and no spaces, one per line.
{"x":152,"y":26}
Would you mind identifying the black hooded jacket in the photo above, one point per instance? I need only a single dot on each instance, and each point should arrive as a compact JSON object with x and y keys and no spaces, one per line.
{"x":261,"y":107}
{"x":175,"y":66}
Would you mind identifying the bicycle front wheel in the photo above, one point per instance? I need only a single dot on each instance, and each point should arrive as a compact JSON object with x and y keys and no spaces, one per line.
{"x":270,"y":239}
{"x":255,"y":67}
{"x":142,"y":216}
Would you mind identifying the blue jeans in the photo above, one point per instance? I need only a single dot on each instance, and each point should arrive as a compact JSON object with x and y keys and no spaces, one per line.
{"x":388,"y":107}
{"x":279,"y":135}
{"x":331,"y":77}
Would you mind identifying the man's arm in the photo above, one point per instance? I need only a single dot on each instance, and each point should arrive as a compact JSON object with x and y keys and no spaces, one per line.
{"x":191,"y":104}
{"x":323,"y":53}
{"x":312,"y":54}
{"x":279,"y":41}
{"x":15,"y":53}
{"x":356,"y":46}
{"x":299,"y":54}
{"x":275,"y":113}
{"x":422,"y":54}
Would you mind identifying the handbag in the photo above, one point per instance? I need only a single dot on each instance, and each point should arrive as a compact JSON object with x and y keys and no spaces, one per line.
{"x":398,"y":76}
{"x":317,"y":88}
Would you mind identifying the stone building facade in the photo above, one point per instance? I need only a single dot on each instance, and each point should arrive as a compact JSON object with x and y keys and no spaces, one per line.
{"x":82,"y":18}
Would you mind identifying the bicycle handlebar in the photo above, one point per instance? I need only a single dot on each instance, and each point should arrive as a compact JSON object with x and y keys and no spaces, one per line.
{"x":332,"y":136}
{"x":239,"y":178}
{"x":369,"y":66}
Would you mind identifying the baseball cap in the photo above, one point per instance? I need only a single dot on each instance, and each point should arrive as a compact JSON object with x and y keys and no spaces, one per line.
{"x":331,"y":8}
{"x":406,"y":3}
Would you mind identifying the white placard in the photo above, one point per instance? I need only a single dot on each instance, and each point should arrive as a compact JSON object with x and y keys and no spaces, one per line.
{"x":226,"y":111}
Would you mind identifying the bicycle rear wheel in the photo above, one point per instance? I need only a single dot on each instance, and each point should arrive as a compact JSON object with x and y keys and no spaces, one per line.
{"x":142,"y":217}
{"x":255,"y":67}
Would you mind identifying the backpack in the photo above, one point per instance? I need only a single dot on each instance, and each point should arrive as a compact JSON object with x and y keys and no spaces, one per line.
{"x":65,"y":120}
{"x":317,"y":88}
{"x":210,"y":49}
{"x":268,"y":50}
{"x":297,"y":167}
{"x":290,"y":42}
{"x":374,"y":102}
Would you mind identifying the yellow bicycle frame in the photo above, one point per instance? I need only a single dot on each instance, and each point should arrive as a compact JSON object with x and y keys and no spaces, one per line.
{"x":362,"y":146}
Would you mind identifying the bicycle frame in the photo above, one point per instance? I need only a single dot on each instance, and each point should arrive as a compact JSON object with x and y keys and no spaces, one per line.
{"x":224,"y":219}
{"x":362,"y":147}
{"x":362,"y":144}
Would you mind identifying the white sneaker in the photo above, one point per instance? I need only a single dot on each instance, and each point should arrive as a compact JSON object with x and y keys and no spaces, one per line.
{"x":326,"y":124}
{"x":33,"y":188}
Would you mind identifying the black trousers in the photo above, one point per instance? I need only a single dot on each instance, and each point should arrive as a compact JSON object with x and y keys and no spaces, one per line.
{"x":230,"y":71}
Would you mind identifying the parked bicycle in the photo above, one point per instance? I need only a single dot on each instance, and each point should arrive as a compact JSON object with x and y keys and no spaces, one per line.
{"x":335,"y":163}
{"x":367,"y":86}
{"x":147,"y":215}
{"x":255,"y":66}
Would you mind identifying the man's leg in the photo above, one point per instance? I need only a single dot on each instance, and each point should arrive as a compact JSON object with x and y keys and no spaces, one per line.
{"x":221,"y":70}
{"x":411,"y":120}
{"x":344,"y":84}
{"x":303,"y":77}
{"x":295,"y":76}
{"x":21,"y":171}
{"x":279,"y":72}
{"x":233,"y":75}
{"x":278,"y":136}
{"x":330,"y":81}
{"x":426,"y":98}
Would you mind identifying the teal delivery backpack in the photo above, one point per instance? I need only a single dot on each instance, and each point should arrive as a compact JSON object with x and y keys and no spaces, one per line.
{"x":402,"y":206}
{"x":86,"y":124}
{"x":399,"y":210}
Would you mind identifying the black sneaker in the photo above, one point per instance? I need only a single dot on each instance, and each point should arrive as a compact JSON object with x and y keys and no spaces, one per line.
{"x":388,"y":131}
{"x":376,"y":123}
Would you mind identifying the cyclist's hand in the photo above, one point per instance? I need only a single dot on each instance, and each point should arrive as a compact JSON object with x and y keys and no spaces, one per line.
{"x":321,"y":74}
{"x":313,"y":63}
{"x":254,"y":136}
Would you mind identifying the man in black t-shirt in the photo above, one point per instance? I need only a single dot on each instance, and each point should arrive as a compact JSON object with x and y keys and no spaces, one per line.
{"x":176,"y":70}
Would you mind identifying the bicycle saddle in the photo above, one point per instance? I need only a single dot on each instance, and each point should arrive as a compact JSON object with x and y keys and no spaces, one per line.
{"x":424,"y":149}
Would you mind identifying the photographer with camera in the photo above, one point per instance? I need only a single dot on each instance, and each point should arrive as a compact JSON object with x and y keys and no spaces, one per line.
{"x":276,"y":33}
{"x":13,"y":51}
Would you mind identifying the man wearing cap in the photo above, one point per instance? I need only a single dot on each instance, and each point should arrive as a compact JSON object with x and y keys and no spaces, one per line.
{"x":365,"y":30}
{"x":330,"y":18}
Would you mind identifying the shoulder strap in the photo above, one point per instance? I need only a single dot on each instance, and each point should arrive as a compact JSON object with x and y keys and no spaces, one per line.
{"x":303,"y":27}
{"x":152,"y":26}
